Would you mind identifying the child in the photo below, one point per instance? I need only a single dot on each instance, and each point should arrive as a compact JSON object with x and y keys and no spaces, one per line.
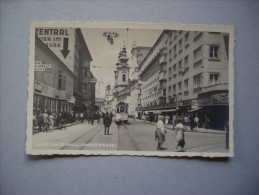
{"x":180,"y":142}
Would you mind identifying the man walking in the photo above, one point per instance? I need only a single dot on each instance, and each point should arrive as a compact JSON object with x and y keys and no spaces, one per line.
{"x":106,"y":123}
{"x":45,"y":121}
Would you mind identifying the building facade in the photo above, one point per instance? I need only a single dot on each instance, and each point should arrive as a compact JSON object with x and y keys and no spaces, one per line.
{"x":69,"y":45}
{"x":187,"y":71}
{"x":53,"y":82}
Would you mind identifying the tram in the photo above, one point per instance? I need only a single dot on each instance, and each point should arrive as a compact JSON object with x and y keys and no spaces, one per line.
{"x":121,"y":113}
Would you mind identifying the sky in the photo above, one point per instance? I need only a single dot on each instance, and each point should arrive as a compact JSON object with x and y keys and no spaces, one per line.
{"x":105,"y":55}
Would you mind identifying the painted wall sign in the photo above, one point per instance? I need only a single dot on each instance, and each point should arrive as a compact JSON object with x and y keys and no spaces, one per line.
{"x":56,"y":39}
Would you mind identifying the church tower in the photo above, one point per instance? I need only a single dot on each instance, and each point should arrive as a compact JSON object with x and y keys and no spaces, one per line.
{"x":122,"y":71}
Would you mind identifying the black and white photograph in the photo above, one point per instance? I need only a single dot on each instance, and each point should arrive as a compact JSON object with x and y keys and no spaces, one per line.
{"x":130,"y":89}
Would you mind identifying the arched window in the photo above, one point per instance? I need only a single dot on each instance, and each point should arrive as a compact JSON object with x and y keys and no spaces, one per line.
{"x":124,"y":77}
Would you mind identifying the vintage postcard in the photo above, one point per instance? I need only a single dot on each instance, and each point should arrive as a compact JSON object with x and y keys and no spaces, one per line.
{"x":99,"y":88}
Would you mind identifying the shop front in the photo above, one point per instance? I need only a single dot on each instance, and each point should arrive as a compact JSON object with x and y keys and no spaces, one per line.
{"x":215,"y":105}
{"x":49,"y":99}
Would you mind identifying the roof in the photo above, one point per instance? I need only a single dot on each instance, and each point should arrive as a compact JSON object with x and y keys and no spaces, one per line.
{"x":80,"y":34}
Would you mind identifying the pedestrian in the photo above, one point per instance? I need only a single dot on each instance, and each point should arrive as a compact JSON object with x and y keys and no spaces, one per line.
{"x":106,"y":123}
{"x":174,"y":120}
{"x":196,"y":122}
{"x":206,"y":122}
{"x":186,"y":122}
{"x":40,"y":121}
{"x":34,"y":120}
{"x":98,"y":116}
{"x":111,"y":115}
{"x":191,"y":121}
{"x":51,"y":121}
{"x":166,"y":119}
{"x":77,"y":117}
{"x":160,"y":132}
{"x":227,"y":134}
{"x":82,"y":117}
{"x":179,"y":134}
{"x":45,"y":121}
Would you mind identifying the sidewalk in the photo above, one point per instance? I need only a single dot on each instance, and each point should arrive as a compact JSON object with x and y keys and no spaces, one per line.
{"x":199,"y":130}
{"x":65,"y":126}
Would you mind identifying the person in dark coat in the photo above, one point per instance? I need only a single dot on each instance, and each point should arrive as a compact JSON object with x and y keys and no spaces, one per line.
{"x":40,"y":121}
{"x":106,"y":123}
{"x":192,"y":121}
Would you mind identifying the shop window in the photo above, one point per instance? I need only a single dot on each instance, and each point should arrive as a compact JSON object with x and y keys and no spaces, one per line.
{"x":214,"y":51}
{"x":214,"y":79}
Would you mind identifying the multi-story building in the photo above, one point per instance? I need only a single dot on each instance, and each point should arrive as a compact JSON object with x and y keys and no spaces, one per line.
{"x":187,"y":71}
{"x":70,"y":47}
{"x":152,"y":75}
{"x":53,"y":81}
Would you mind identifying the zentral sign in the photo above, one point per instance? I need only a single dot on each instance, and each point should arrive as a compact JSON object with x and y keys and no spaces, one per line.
{"x":55,"y":38}
{"x":38,"y":66}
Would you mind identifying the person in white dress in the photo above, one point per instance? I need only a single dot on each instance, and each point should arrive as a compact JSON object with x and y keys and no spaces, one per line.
{"x":160,"y":132}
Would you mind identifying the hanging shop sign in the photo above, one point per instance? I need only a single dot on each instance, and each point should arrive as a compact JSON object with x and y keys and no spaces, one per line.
{"x":215,"y":99}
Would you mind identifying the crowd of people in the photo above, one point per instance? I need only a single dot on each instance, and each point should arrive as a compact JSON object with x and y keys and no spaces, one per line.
{"x":45,"y":121}
{"x":180,"y":122}
{"x":188,"y":120}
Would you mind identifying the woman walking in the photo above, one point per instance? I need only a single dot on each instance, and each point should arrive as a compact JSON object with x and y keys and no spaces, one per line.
{"x":179,"y":134}
{"x":160,"y":132}
{"x":106,"y":123}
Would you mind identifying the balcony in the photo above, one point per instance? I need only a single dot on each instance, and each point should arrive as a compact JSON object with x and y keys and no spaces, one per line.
{"x":162,"y":60}
{"x":162,"y":76}
{"x":163,"y":51}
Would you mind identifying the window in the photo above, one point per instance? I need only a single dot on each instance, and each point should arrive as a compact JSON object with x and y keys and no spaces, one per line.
{"x":214,"y":78}
{"x":180,"y":86}
{"x":59,"y":81}
{"x":180,"y":44}
{"x":85,"y":72}
{"x":123,"y":77}
{"x":164,"y":92}
{"x":174,"y":49}
{"x":174,"y":88}
{"x":169,"y":90}
{"x":170,"y":52}
{"x":197,"y":81}
{"x":186,"y":62}
{"x":197,"y":55}
{"x":180,"y":66}
{"x":186,"y":85}
{"x":180,"y":32}
{"x":186,"y":38}
{"x":214,"y":51}
{"x":174,"y":68}
{"x":170,"y":70}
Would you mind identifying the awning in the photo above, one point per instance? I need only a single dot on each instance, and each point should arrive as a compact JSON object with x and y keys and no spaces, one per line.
{"x":193,"y":110}
{"x":170,"y":110}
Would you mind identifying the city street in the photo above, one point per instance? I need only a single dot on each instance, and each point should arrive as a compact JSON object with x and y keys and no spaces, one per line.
{"x":134,"y":136}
